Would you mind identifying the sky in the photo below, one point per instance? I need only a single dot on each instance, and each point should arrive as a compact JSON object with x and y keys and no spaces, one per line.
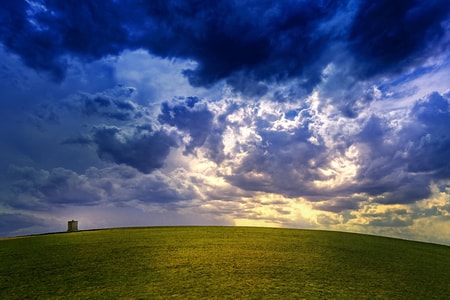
{"x":328,"y":115}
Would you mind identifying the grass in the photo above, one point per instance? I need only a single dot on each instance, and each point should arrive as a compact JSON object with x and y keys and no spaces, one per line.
{"x":221,"y":263}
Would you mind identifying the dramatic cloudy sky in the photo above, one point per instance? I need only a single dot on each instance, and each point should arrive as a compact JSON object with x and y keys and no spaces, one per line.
{"x":307,"y":114}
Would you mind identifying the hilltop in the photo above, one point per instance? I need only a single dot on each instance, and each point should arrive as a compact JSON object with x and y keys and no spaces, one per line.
{"x":221,"y":262}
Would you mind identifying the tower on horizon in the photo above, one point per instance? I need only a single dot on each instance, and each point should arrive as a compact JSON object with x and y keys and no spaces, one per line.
{"x":72,"y":226}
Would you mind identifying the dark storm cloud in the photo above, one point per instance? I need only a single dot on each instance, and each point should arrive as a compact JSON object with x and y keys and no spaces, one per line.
{"x":45,"y":33}
{"x":41,"y":190}
{"x":408,"y":190}
{"x":193,"y":117}
{"x":389,"y":36}
{"x":431,"y":149}
{"x":381,"y":170}
{"x":196,"y":121}
{"x":338,"y":205}
{"x":112,"y":104}
{"x":122,"y":183}
{"x":125,"y":136}
{"x":399,"y":167}
{"x":145,"y":151}
{"x":38,"y":188}
{"x":248,"y":43}
{"x":78,"y":140}
{"x":264,"y":40}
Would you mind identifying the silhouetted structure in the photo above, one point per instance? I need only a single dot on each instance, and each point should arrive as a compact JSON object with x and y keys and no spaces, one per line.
{"x":72,"y":226}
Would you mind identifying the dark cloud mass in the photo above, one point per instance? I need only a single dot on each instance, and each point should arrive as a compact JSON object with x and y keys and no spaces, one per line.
{"x":145,"y":151}
{"x":388,"y":36}
{"x":194,"y":118}
{"x":431,"y":145}
{"x":40,"y":189}
{"x":45,"y":33}
{"x":196,"y":121}
{"x":246,"y":43}
{"x":117,"y":107}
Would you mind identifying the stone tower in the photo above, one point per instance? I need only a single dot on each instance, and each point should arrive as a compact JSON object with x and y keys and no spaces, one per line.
{"x":72,"y":226}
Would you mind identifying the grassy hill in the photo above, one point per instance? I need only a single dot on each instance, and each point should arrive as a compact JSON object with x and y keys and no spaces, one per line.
{"x":221,"y":262}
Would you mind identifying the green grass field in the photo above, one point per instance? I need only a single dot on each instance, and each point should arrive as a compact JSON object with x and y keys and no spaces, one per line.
{"x":221,"y":263}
